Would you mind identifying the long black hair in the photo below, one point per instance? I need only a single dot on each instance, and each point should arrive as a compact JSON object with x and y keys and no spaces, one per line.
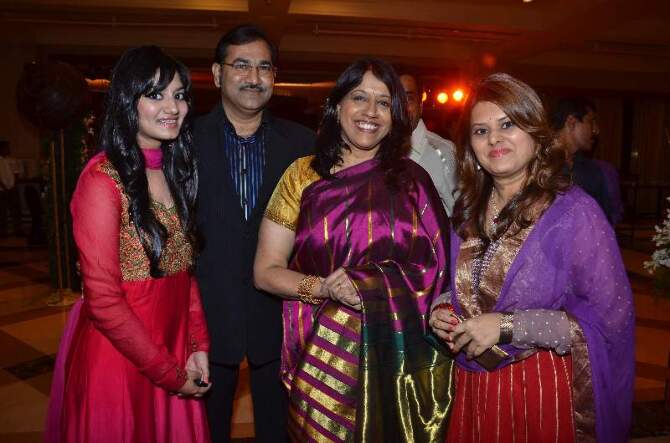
{"x":141,"y":72}
{"x":393,"y":147}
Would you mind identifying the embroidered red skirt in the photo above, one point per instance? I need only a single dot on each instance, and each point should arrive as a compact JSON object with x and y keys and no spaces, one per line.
{"x":528,"y":401}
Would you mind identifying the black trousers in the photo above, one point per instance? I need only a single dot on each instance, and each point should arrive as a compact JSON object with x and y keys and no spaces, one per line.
{"x":270,"y":402}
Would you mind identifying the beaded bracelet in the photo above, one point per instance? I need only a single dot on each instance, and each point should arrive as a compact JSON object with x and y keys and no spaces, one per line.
{"x":305,"y":288}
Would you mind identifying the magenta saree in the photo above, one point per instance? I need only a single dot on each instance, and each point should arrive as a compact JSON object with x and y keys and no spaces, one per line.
{"x":370,"y":375}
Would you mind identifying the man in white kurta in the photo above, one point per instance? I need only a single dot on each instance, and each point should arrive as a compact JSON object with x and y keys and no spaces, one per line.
{"x":433,"y":153}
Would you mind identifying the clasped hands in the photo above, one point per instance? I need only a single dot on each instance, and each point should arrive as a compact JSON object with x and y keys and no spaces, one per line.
{"x":338,"y":287}
{"x":197,"y":367}
{"x":472,"y":336}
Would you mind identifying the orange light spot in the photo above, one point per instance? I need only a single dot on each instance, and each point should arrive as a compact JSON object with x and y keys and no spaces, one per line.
{"x":458,"y":95}
{"x":424,"y":97}
{"x":442,"y":97}
{"x":489,"y":60}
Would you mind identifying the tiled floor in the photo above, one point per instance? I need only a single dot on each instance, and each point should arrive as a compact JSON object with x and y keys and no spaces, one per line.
{"x":30,"y":330}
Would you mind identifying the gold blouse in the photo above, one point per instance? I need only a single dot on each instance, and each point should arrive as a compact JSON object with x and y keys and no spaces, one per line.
{"x":284,"y":205}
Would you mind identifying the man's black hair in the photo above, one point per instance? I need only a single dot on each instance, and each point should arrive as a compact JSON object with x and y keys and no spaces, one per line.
{"x":241,"y":35}
{"x":578,"y":107}
{"x":403,"y":70}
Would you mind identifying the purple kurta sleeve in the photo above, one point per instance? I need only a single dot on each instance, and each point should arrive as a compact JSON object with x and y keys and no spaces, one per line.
{"x":542,"y":328}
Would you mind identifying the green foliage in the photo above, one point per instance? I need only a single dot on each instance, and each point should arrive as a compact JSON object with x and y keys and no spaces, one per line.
{"x":77,"y":149}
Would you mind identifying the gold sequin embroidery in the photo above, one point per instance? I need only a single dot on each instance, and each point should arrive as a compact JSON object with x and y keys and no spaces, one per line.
{"x":177,"y":253}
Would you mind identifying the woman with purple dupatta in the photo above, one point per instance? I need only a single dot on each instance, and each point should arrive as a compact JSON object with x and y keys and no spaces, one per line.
{"x":539,"y":293}
{"x":353,"y":241}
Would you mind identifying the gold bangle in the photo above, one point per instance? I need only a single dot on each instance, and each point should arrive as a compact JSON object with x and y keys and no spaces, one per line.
{"x":506,"y":328}
{"x":305,"y":288}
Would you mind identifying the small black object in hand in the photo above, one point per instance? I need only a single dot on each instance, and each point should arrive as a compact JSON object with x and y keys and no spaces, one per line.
{"x":198,"y":382}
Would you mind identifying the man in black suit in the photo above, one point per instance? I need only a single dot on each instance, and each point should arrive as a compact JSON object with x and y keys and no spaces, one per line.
{"x":243,"y":151}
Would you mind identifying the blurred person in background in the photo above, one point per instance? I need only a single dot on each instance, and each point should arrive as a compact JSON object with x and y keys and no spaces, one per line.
{"x":575,"y":121}
{"x":433,"y":153}
{"x":7,"y":188}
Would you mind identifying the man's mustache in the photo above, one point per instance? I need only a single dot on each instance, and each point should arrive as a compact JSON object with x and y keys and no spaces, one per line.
{"x":253,"y":87}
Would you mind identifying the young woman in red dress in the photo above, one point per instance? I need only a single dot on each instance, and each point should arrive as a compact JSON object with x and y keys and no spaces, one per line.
{"x":134,"y":352}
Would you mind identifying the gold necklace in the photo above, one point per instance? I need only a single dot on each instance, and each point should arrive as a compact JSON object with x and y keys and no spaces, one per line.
{"x":495,"y":212}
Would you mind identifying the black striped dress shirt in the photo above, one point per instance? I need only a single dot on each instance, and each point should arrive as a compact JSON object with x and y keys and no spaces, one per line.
{"x":246,"y":159}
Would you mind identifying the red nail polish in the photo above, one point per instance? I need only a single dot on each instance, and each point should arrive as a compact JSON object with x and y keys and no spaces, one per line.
{"x":441,"y":306}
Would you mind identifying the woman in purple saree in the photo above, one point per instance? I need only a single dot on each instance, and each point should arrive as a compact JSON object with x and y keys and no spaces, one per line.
{"x":352,"y":239}
{"x":541,"y":279}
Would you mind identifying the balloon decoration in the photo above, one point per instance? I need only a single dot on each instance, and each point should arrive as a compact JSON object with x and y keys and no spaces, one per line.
{"x":52,"y":96}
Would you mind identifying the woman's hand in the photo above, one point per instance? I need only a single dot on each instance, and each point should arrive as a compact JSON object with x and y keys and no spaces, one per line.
{"x":475,"y":335}
{"x":338,"y":287}
{"x":190,"y":389}
{"x":198,"y":364}
{"x":197,"y":367}
{"x":442,"y":321}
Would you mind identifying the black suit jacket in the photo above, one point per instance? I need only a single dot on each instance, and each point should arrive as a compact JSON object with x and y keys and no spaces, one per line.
{"x":241,"y":319}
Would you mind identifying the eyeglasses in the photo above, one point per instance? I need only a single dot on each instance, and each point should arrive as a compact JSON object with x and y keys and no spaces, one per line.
{"x":244,"y":68}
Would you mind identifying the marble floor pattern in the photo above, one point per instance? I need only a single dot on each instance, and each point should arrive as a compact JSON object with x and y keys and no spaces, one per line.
{"x":30,"y":331}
